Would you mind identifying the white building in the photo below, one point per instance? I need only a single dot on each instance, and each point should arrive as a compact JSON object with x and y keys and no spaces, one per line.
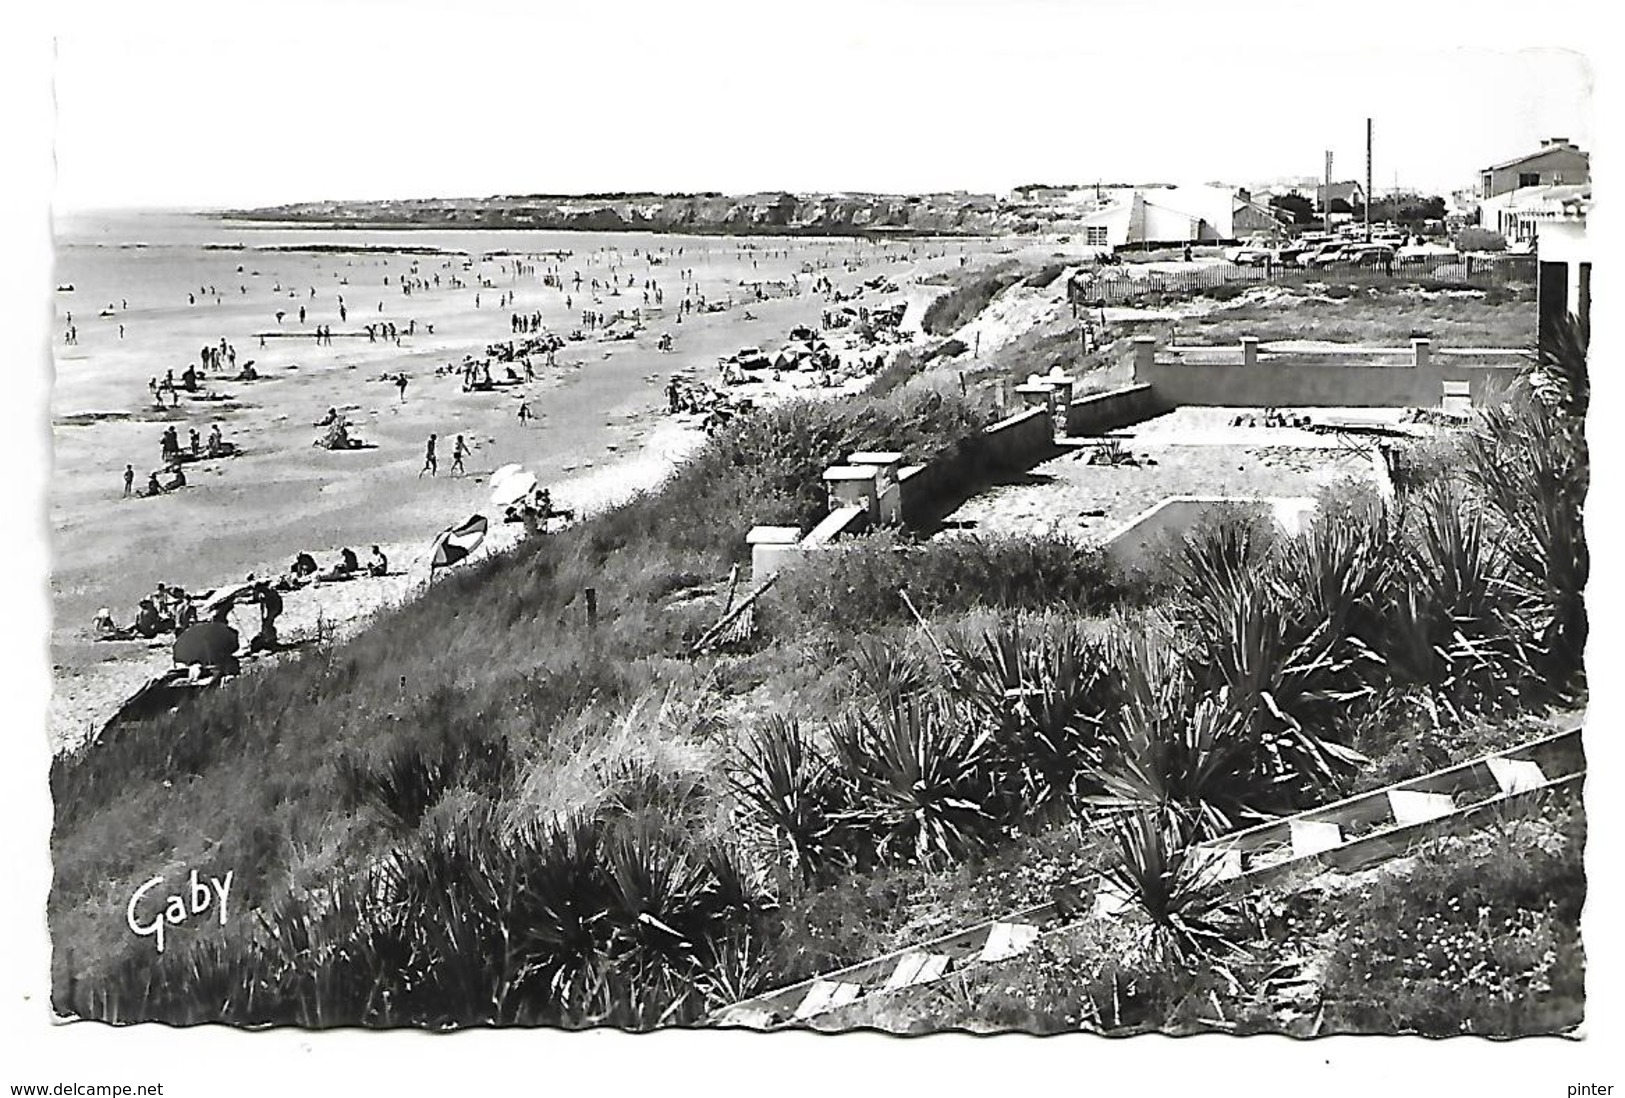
{"x":1518,"y":214}
{"x":1205,"y":214}
{"x":1564,"y":253}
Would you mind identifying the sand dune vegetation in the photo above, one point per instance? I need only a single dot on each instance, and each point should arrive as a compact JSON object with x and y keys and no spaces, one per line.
{"x":492,"y":808}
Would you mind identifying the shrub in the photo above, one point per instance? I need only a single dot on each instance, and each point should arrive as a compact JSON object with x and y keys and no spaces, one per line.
{"x":1474,"y":239}
{"x":859,"y":585}
{"x":1045,"y":275}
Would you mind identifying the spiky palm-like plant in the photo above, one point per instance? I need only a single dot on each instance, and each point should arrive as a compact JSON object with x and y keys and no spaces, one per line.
{"x":1202,"y":763}
{"x":793,"y":788}
{"x":920,"y":782}
{"x":1170,"y":887}
{"x":1529,"y":462}
{"x":1043,"y":695}
{"x":1461,"y":627}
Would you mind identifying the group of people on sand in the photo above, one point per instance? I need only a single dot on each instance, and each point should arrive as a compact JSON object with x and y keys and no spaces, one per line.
{"x":389,"y":333}
{"x":172,"y":609}
{"x":166,"y":610}
{"x":304,"y":569}
{"x":173,"y":456}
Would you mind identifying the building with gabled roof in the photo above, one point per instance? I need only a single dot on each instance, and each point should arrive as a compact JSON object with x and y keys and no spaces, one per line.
{"x":1557,"y":162}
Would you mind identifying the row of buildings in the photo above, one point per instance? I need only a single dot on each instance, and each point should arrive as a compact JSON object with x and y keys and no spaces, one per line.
{"x":1513,"y":198}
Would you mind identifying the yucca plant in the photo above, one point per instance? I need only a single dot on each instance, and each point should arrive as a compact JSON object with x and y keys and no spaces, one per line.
{"x":656,"y":892}
{"x":1461,"y":627}
{"x":1218,"y":558}
{"x":1283,"y":677}
{"x":1204,"y":763}
{"x":792,"y":788}
{"x":1155,"y":870}
{"x":565,"y":936}
{"x":1529,"y":462}
{"x":921,"y":786}
{"x":1043,"y":696}
{"x":888,"y":672}
{"x":1339,"y":573}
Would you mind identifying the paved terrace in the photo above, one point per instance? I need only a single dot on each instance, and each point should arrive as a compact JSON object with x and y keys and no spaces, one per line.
{"x":1193,"y":451}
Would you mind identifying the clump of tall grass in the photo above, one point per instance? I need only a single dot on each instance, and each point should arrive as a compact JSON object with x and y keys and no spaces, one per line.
{"x":962,"y":304}
{"x":610,"y":919}
{"x":869,"y":582}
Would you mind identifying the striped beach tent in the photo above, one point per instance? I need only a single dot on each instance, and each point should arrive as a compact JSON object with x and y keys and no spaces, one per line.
{"x":456,"y":543}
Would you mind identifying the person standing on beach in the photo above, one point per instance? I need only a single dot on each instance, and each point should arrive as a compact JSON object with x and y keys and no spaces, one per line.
{"x":459,"y":450}
{"x":400,"y":383}
{"x":524,"y":413}
{"x":430,"y":464}
{"x":129,"y":480}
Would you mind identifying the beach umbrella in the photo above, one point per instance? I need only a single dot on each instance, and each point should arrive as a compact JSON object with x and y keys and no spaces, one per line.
{"x":513,"y":489}
{"x":207,"y":642}
{"x":505,"y":472}
{"x":456,"y":543}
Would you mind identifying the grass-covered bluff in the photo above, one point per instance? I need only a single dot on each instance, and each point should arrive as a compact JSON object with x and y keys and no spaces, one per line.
{"x":481,"y":810}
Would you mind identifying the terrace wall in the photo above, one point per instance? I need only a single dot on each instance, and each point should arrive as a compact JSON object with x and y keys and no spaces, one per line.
{"x":1351,"y":378}
{"x":1164,"y":522}
{"x":1019,"y":441}
{"x":1101,"y":412}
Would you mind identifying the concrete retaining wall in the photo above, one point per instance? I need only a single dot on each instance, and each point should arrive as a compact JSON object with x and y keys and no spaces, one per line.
{"x":1255,"y":378}
{"x":1019,"y":441}
{"x":1101,"y":412}
{"x":1165,"y":522}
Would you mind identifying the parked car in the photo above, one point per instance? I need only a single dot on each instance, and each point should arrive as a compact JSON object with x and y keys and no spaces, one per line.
{"x":1425,"y":251}
{"x":1323,"y":256}
{"x":1289,"y":253}
{"x":1250,"y":255}
{"x":1366,"y":255}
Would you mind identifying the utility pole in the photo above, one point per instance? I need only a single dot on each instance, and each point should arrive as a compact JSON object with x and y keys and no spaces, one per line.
{"x":1368,"y":180}
{"x":1326,"y":196}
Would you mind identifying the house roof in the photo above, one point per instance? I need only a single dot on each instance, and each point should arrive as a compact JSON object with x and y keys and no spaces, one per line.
{"x":1566,"y":146}
{"x":1345,"y":189}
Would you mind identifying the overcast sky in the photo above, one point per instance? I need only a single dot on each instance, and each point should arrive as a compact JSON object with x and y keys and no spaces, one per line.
{"x":368,"y":101}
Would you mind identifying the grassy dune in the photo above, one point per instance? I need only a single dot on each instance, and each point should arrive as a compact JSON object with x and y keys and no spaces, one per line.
{"x":487,"y":809}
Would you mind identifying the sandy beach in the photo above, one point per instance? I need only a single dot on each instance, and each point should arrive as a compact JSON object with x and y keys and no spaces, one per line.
{"x":600,"y":430}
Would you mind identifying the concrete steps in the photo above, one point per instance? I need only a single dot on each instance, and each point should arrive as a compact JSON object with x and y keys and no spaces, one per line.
{"x":1347,"y":835}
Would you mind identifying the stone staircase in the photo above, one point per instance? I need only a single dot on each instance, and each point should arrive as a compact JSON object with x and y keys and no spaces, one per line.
{"x":1344,"y":836}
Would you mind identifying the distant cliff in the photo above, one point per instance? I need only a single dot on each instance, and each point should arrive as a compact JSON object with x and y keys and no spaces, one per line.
{"x":775,"y":213}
